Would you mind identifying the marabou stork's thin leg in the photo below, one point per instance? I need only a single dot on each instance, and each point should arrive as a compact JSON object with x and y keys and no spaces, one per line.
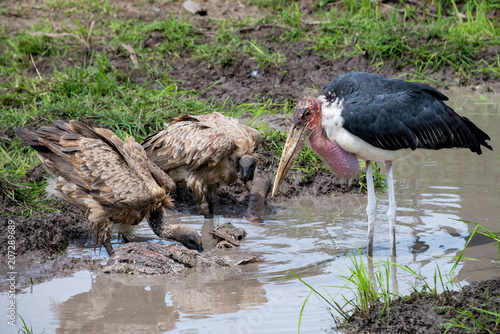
{"x":391,"y":212}
{"x":371,"y":206}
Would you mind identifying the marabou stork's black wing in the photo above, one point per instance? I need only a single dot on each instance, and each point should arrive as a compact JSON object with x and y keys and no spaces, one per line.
{"x":393,"y":114}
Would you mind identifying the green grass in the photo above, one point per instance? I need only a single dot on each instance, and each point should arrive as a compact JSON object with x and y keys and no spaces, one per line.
{"x":379,"y":178}
{"x":424,"y":41}
{"x":495,"y":236}
{"x":368,"y":289}
{"x":414,"y":38}
{"x":475,"y":320}
{"x":25,"y":329}
{"x":28,"y":196}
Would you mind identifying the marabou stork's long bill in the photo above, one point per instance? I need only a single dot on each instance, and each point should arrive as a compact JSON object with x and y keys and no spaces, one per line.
{"x":204,"y":151}
{"x":374,"y":118}
{"x":113,"y":181}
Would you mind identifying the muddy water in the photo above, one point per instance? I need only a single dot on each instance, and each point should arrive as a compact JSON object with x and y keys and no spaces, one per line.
{"x":306,"y":236}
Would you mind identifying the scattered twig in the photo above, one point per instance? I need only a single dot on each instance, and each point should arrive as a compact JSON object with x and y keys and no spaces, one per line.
{"x":419,"y":11}
{"x":17,"y":185}
{"x":133,"y":56}
{"x":17,"y":15}
{"x":306,"y":26}
{"x":34,"y":65}
{"x":13,"y":199}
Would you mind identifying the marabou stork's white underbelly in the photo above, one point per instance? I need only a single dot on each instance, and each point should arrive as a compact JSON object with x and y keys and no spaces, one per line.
{"x":366,"y":151}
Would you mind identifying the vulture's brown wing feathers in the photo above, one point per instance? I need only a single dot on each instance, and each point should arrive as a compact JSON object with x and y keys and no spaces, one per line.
{"x":188,"y":142}
{"x":105,"y":168}
{"x":112,"y":180}
{"x":246,"y":139}
{"x":162,"y":178}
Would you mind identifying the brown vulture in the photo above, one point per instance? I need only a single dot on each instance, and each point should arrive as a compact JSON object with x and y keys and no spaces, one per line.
{"x":204,"y":151}
{"x":113,"y":181}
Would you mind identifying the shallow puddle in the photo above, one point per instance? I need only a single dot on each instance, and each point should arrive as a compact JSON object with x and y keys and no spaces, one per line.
{"x":308,"y":237}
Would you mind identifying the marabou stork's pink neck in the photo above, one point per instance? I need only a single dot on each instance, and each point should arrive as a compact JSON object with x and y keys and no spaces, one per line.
{"x":339,"y":160}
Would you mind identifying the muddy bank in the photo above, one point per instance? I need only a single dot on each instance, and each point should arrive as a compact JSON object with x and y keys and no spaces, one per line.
{"x":423,"y":312}
{"x":40,"y":244}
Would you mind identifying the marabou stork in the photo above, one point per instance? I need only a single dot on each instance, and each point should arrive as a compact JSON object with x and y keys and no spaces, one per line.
{"x":374,"y":118}
{"x":204,"y":151}
{"x":113,"y":181}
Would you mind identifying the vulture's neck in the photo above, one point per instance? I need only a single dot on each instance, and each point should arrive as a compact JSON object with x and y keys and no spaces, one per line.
{"x":184,"y":234}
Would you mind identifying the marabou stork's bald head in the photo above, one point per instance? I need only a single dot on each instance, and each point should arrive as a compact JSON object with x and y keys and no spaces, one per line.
{"x":306,"y":118}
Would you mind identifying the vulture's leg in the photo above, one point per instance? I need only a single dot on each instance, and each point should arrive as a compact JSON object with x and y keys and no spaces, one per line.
{"x":210,"y":200}
{"x":201,"y":191}
{"x":125,"y":238}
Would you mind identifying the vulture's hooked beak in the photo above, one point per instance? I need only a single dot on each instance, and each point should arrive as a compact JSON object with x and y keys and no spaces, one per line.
{"x":295,"y":141}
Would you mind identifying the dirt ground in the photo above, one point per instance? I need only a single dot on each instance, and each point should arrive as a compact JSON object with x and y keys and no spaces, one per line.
{"x":421,"y":313}
{"x":42,"y":238}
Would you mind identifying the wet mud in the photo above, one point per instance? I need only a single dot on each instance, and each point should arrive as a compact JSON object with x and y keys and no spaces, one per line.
{"x":423,"y":312}
{"x":152,"y":259}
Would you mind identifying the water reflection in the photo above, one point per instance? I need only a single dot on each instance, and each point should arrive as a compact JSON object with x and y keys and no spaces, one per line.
{"x":113,"y":306}
{"x":120,"y":303}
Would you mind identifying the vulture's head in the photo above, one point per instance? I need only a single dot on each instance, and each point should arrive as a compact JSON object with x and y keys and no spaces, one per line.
{"x":246,"y":168}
